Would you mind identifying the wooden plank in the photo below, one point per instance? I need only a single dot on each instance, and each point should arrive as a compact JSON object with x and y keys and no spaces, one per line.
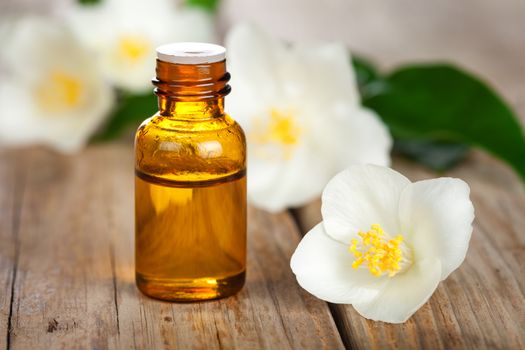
{"x":482,"y":304}
{"x":75,"y":275}
{"x":63,"y":294}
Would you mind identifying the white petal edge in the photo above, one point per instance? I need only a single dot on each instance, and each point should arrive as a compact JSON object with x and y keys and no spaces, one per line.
{"x":404,"y":294}
{"x":357,"y":136}
{"x":322,"y":71}
{"x":263,"y":177}
{"x":296,"y":181}
{"x":323,"y":268}
{"x":436,"y":218}
{"x":360,"y":196}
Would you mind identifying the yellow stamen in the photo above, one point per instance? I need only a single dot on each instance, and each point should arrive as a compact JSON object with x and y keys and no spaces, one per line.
{"x":60,"y":91}
{"x":378,"y":252}
{"x":133,"y":48}
{"x":281,"y":129}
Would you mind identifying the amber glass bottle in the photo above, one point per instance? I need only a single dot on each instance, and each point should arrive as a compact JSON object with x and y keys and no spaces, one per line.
{"x":190,"y":184}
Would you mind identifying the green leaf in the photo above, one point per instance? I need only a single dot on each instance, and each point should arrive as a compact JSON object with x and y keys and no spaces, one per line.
{"x":441,"y":102}
{"x":436,"y":155}
{"x":131,"y":111}
{"x":89,"y":2}
{"x":207,"y":5}
{"x":365,"y":72}
{"x":369,"y":81}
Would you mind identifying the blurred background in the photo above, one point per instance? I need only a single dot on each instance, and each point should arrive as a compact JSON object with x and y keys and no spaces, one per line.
{"x":483,"y":35}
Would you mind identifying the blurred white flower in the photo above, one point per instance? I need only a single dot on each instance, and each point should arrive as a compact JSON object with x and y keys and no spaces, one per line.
{"x":301,"y":112}
{"x":385,"y":243}
{"x":124,"y":34}
{"x":53,"y":92}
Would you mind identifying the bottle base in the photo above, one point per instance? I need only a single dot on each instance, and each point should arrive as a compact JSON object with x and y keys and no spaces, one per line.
{"x":189,"y":290}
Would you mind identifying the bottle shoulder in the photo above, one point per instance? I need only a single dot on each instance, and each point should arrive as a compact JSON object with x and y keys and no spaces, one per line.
{"x":187,"y":150}
{"x":169,"y":124}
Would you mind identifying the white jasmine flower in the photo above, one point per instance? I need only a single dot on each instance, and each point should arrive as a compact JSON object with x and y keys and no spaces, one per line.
{"x":385,"y":243}
{"x":301,"y":112}
{"x":124,"y":34}
{"x":53,"y":92}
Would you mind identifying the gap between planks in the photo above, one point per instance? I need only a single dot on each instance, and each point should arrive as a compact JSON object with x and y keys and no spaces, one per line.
{"x":337,"y":314}
{"x":18,"y":195}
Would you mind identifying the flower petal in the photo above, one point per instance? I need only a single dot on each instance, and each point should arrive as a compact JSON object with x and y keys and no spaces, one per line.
{"x":322,"y":71}
{"x":323,"y":267}
{"x":404,"y":294}
{"x":357,"y":136}
{"x":263,"y":176}
{"x":273,"y":184}
{"x":361,"y":196}
{"x":436,"y":217}
{"x":253,"y":58}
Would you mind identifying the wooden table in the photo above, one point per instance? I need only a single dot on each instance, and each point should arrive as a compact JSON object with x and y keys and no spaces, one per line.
{"x":67,"y":275}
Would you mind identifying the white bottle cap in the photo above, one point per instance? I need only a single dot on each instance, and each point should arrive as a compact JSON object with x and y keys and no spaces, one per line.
{"x":191,"y":53}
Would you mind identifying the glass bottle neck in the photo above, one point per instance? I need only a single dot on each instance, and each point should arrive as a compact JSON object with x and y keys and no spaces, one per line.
{"x":207,"y":109}
{"x":191,"y":91}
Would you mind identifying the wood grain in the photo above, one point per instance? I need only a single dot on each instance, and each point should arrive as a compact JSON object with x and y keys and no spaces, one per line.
{"x":67,"y":273}
{"x":482,"y":304}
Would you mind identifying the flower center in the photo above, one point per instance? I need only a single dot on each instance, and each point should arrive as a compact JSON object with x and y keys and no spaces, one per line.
{"x":59,"y":92}
{"x":280,"y":129}
{"x":379,"y":252}
{"x":133,"y":48}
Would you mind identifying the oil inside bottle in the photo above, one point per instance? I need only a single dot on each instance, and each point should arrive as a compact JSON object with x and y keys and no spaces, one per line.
{"x":189,"y":246}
